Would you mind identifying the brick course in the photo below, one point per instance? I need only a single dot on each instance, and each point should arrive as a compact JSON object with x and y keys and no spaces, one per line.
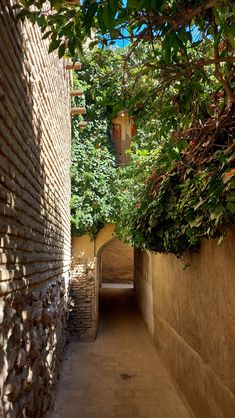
{"x":34,"y":217}
{"x":84,"y":290}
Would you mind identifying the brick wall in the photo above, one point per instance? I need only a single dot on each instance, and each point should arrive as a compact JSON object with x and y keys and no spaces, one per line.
{"x":116,"y":263}
{"x":34,"y":217}
{"x":85,"y":283}
{"x":84,"y":288}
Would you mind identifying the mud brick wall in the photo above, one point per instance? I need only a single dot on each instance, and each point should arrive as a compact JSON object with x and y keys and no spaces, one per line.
{"x":34,"y":217}
{"x":116,"y":263}
{"x":83,"y":318}
{"x":191,"y":317}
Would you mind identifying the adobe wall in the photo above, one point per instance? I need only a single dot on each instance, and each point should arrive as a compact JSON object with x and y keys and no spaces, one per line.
{"x":87,"y":274}
{"x":116,"y":263}
{"x":194,"y":322}
{"x":143,"y":281}
{"x":34,"y":218}
{"x":85,"y":284}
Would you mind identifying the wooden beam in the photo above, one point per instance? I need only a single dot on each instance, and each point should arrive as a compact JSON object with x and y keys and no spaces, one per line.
{"x":78,"y":111}
{"x":74,"y":66}
{"x":76,"y":93}
{"x":82,"y":124}
{"x":73,"y":2}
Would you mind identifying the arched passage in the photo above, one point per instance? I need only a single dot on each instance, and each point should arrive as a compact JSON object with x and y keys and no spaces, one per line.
{"x":104,"y":258}
{"x":115,"y":262}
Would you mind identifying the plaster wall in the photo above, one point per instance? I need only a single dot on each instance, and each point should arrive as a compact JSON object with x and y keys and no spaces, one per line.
{"x":194,"y":322}
{"x":143,"y":286}
{"x":85,"y":250}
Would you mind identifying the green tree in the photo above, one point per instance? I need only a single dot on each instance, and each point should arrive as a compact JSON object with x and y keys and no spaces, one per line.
{"x":93,"y":160}
{"x":180,"y":26}
{"x":176,"y":78}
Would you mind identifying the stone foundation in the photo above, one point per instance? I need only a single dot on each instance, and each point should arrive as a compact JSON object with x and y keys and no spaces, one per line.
{"x":33,"y":335}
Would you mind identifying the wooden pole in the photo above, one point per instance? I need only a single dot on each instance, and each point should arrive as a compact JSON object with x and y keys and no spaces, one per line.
{"x":76,"y":93}
{"x":74,"y":66}
{"x":78,"y":111}
{"x":82,"y":124}
{"x":73,"y":2}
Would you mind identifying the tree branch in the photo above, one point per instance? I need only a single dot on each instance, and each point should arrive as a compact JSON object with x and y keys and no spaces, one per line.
{"x":190,"y":66}
{"x":180,"y":19}
{"x":218,"y":73}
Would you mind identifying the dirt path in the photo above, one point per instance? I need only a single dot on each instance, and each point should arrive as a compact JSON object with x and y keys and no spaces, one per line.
{"x":119,"y":375}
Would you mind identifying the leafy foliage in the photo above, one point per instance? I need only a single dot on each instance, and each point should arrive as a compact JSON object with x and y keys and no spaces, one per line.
{"x":179,"y":186}
{"x":93,"y":162}
{"x":177,"y":80}
{"x":189,"y":195}
{"x":178,"y":26}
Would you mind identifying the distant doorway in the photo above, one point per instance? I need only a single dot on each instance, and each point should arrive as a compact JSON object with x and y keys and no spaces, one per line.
{"x":116,"y":264}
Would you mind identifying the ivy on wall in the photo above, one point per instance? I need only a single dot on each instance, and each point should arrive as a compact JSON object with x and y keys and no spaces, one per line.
{"x":93,"y":160}
{"x":179,"y":186}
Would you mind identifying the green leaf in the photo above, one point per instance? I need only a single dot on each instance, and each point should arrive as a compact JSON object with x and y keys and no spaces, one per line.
{"x":88,"y":19}
{"x":156,"y":4}
{"x":231,"y":207}
{"x":196,"y":222}
{"x":61,"y":50}
{"x":54,"y":45}
{"x":108,"y":17}
{"x":22,"y":15}
{"x":101,"y":21}
{"x":231,"y":196}
{"x":45,"y":36}
{"x":133,"y":4}
{"x":199,"y":204}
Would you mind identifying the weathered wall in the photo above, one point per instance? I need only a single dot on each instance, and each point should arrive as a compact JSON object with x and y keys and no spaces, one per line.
{"x":85,"y":249}
{"x":87,"y":273}
{"x":34,"y":217}
{"x":194,"y":323}
{"x":84,"y":289}
{"x":143,"y":285}
{"x":116,"y":263}
{"x":85,"y":283}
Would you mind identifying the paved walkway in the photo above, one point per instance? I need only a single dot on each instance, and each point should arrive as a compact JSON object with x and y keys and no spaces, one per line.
{"x":120,"y":374}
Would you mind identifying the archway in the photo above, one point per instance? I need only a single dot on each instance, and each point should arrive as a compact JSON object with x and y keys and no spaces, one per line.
{"x":104,"y":258}
{"x":115,"y":263}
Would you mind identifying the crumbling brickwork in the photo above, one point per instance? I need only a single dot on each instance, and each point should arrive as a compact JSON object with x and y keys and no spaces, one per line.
{"x":84,"y":302}
{"x":34,"y":217}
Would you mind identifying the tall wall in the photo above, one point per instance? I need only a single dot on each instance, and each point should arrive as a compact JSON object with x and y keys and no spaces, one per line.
{"x":34,"y":217}
{"x":193,"y":324}
{"x":143,"y":281}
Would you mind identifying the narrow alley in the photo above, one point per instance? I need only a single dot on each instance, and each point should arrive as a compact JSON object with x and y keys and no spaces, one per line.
{"x":120,"y":374}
